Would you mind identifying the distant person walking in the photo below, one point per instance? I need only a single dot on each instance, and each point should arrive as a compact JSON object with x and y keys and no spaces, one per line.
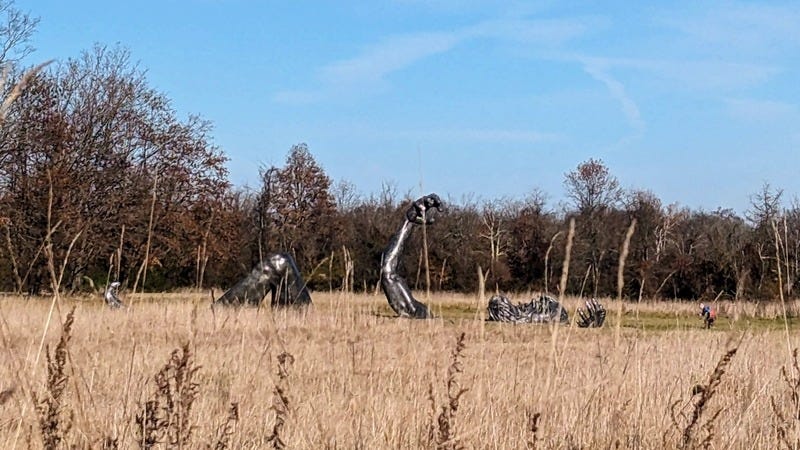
{"x":709,"y":314}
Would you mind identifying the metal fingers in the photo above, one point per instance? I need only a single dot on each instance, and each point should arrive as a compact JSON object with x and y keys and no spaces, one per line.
{"x":593,"y":317}
{"x":418,"y":212}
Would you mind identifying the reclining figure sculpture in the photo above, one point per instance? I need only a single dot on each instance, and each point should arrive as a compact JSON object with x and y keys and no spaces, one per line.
{"x":545,"y":309}
{"x":276,"y":274}
{"x":393,"y":285}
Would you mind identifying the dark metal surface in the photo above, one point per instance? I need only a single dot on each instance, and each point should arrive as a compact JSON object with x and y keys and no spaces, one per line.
{"x":394,"y":286}
{"x":277,"y":275}
{"x":544,"y":309}
{"x":111,"y":295}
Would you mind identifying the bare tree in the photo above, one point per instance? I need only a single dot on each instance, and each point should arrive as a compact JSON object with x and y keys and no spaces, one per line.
{"x":592,"y":187}
{"x":103,"y":135}
{"x":296,"y":210}
{"x":765,"y":208}
{"x":496,"y":236}
{"x":16,"y":30}
{"x":595,"y":193}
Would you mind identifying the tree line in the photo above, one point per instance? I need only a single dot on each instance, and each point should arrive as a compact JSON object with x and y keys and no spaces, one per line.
{"x":101,"y":180}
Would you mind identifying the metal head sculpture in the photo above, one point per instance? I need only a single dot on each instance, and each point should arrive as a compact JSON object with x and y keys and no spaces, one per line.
{"x":276,"y":274}
{"x":111,"y":295}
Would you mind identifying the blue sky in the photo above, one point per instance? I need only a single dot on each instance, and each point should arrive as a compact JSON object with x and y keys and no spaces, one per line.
{"x":695,"y":101}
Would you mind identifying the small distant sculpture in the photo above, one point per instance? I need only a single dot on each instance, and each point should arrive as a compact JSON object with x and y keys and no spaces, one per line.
{"x":709,"y":315}
{"x":544,"y":309}
{"x":111,"y":296}
{"x":393,"y":285}
{"x":276,"y":274}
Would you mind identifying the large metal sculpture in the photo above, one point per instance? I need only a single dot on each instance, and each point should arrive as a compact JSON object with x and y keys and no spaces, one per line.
{"x":545,"y":309}
{"x":276,"y":274}
{"x":111,"y":296}
{"x":393,"y":285}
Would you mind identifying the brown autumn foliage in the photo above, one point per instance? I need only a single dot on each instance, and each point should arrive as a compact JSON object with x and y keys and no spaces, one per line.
{"x":92,"y":142}
{"x":100,"y":176}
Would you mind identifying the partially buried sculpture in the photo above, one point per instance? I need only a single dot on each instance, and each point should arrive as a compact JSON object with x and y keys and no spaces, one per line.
{"x":111,"y":296}
{"x":545,"y":309}
{"x":276,"y":274}
{"x":393,"y":285}
{"x":542,"y":310}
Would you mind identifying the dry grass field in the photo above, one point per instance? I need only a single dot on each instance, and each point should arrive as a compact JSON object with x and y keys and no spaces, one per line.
{"x":346,"y":374}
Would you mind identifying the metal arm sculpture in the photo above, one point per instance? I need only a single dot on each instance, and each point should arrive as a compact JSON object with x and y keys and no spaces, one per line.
{"x":393,"y":285}
{"x":276,"y":274}
{"x":545,"y":309}
{"x":111,"y":295}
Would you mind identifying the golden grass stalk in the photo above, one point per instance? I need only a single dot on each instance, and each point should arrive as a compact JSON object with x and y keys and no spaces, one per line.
{"x":446,"y":436}
{"x":533,"y":429}
{"x":547,"y":260}
{"x":222,"y":440}
{"x":143,"y":268}
{"x":361,"y":379}
{"x":780,"y":284}
{"x":480,"y":310}
{"x":18,"y":88}
{"x":787,"y":426}
{"x":166,"y":415}
{"x":280,"y":401}
{"x":55,"y":420}
{"x":701,"y":397}
{"x":623,"y":255}
{"x":562,"y":285}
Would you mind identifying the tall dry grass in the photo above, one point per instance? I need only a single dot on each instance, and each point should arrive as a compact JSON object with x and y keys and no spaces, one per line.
{"x":362,"y":379}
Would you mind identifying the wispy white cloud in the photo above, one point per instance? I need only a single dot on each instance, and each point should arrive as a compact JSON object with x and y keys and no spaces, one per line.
{"x":734,"y":28}
{"x":599,"y":69}
{"x":393,"y":54}
{"x":700,"y":75}
{"x":370,"y":68}
{"x":298,"y":97}
{"x":481,"y":135}
{"x":706,"y":75}
{"x":692,"y":74}
{"x":440,"y":134}
{"x":367,"y":71}
{"x":446,"y":5}
{"x":761,"y":110}
{"x":541,"y":32}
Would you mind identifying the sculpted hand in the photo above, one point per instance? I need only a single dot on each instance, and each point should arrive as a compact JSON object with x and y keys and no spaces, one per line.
{"x":419,"y":211}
